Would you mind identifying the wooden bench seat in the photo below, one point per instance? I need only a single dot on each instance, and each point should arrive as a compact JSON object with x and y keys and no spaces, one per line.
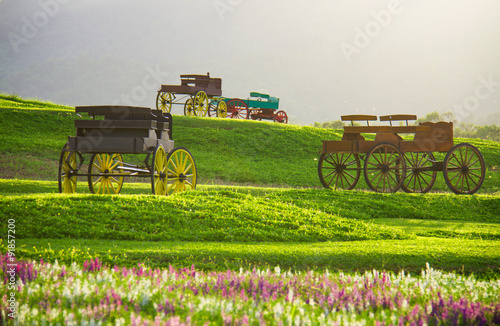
{"x":392,"y":129}
{"x":359,"y":117}
{"x":398,"y":117}
{"x":115,"y":112}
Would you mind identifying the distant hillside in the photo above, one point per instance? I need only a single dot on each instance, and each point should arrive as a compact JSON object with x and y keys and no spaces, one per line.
{"x":226,"y":151}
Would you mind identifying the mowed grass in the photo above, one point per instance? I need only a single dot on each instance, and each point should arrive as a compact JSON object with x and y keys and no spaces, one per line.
{"x":481,"y":258}
{"x":220,"y":227}
{"x":226,"y":151}
{"x":259,"y":203}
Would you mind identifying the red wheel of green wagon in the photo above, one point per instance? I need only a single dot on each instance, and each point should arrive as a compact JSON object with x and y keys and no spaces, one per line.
{"x":281,"y":117}
{"x":237,"y":109}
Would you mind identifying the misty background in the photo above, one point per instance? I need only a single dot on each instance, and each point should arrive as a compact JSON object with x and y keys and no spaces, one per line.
{"x":322,"y":58}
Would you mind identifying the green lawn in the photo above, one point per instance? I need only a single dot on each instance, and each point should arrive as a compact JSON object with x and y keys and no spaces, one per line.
{"x":259,"y":203}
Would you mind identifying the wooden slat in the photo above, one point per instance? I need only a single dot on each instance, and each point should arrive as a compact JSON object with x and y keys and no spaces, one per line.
{"x":358,"y":117}
{"x":103,"y":110}
{"x":398,"y":117}
{"x":119,"y":124}
{"x":391,"y":129}
{"x":366,"y":129}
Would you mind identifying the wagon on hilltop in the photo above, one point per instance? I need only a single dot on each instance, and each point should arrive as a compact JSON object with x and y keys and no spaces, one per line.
{"x":201,"y":96}
{"x":390,"y":163}
{"x":125,"y":130}
{"x":195,"y":92}
{"x":258,"y":107}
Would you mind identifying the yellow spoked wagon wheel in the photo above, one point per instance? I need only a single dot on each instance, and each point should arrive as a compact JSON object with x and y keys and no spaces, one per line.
{"x":221,"y":109}
{"x":181,"y":171}
{"x":420,"y":173}
{"x":67,"y":171}
{"x":101,"y":168}
{"x":464,"y":169}
{"x":188,"y":107}
{"x":164,"y":101}
{"x":339,"y":170}
{"x":201,"y":104}
{"x":159,"y":172}
{"x":385,"y":168}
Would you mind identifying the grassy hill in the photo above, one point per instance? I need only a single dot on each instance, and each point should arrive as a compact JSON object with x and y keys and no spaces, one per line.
{"x":259,"y":203}
{"x":226,"y":151}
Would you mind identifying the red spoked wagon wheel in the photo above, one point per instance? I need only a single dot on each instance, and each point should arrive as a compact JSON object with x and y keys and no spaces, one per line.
{"x":385,"y":168}
{"x":339,"y":170}
{"x":237,"y":109}
{"x":420,"y":173}
{"x":464,"y":169}
{"x":255,"y":114}
{"x":281,"y":117}
{"x":212,"y":108}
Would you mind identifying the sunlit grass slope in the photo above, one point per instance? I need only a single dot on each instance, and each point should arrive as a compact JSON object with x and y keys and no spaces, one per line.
{"x":219,"y":227}
{"x":226,"y":151}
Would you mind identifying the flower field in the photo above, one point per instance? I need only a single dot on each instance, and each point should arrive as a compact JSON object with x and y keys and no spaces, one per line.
{"x":93,"y":294}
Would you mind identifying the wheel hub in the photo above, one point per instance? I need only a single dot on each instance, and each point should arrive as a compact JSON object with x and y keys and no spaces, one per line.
{"x":182,"y":177}
{"x":385,"y":168}
{"x":465,"y":169}
{"x":339,"y":168}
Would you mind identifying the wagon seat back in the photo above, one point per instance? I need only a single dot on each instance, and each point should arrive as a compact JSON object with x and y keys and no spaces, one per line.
{"x":354,"y":132}
{"x":393,"y":132}
{"x":196,"y":83}
{"x":163,"y":124}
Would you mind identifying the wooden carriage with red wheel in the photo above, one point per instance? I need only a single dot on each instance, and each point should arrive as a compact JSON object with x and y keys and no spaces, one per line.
{"x":195,"y":93}
{"x":391,"y":162}
{"x":124,"y":130}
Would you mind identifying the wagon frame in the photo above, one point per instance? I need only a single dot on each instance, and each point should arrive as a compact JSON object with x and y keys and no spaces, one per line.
{"x":125,"y":130}
{"x":391,"y":163}
{"x":258,"y":106}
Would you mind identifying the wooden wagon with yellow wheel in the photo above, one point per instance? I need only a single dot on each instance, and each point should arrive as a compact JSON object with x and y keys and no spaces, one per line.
{"x":125,"y":130}
{"x":196,"y":93}
{"x":391,"y":162}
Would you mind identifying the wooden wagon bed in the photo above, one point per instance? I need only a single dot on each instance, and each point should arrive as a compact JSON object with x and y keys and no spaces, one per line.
{"x":391,"y":161}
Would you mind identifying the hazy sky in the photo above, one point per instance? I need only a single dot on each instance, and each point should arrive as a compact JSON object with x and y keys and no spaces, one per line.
{"x":322,"y":58}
